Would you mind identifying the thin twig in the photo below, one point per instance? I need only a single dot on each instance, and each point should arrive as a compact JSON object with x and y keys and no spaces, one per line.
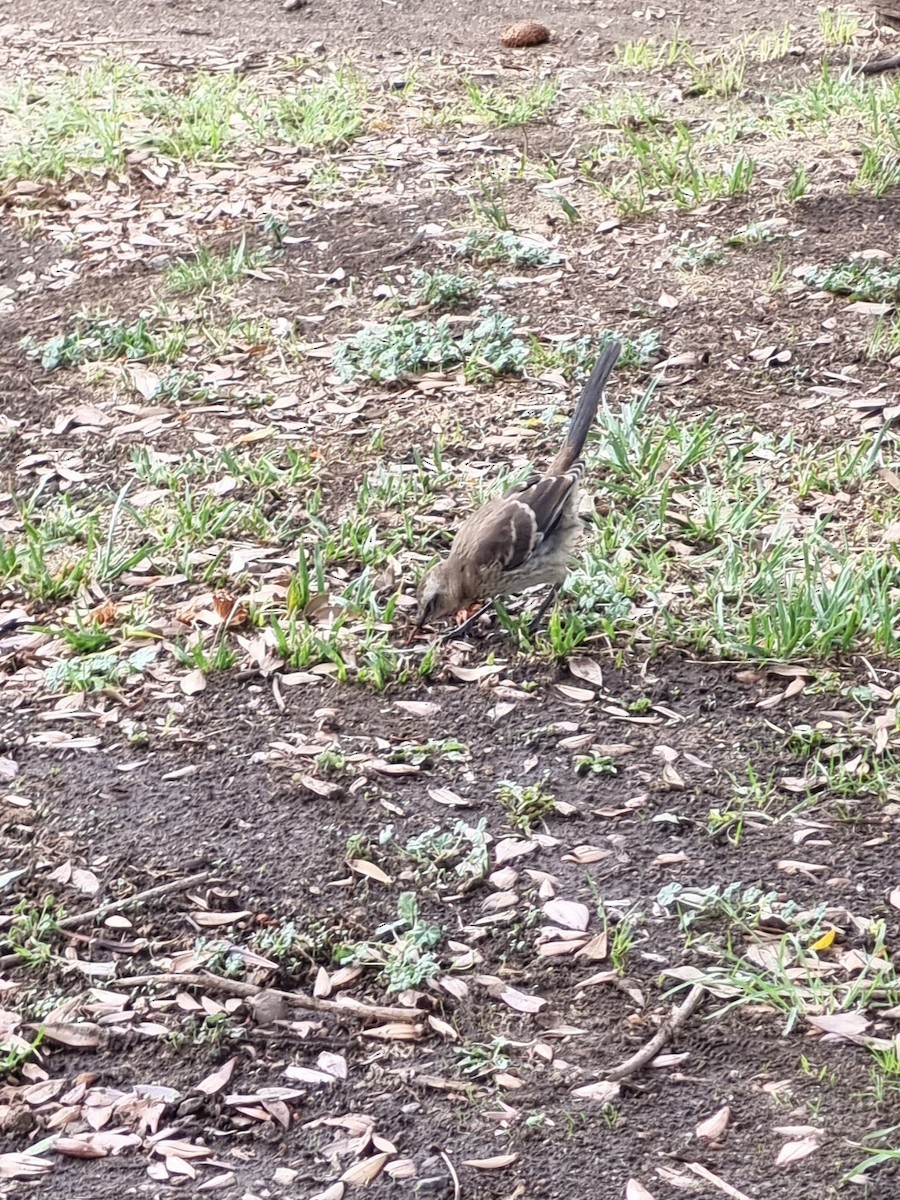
{"x":236,"y":987}
{"x":706,"y":1174}
{"x":647,"y":1053}
{"x":881,"y":64}
{"x":161,"y":889}
{"x":453,"y":1175}
{"x":413,"y":244}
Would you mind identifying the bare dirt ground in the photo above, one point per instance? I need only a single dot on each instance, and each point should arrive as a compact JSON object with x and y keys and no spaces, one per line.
{"x":296,"y":902}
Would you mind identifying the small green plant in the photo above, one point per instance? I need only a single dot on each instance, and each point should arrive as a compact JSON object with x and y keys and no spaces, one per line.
{"x":404,"y":347}
{"x":443,"y":291}
{"x":403,"y":950}
{"x":621,"y":942}
{"x":32,"y":929}
{"x":693,"y":256}
{"x":884,"y":1074}
{"x":754,"y":233}
{"x":427,"y":754}
{"x":478,"y":1059}
{"x":594,"y":763}
{"x":860,"y":278}
{"x":450,"y":857}
{"x":17,"y":1052}
{"x":798,"y":185}
{"x":525,"y":805}
{"x":93,"y":672}
{"x":487,"y":246}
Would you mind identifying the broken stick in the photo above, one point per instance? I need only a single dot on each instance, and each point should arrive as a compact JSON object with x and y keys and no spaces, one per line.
{"x":647,"y":1053}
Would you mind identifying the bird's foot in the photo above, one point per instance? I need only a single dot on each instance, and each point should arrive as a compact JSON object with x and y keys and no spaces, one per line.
{"x":538,"y":619}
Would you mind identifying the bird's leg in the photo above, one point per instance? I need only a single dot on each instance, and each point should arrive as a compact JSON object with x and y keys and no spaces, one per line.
{"x":551,"y":596}
{"x":462,"y":630}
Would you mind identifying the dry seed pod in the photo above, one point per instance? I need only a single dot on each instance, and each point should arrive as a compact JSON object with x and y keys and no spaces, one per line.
{"x":525,"y":33}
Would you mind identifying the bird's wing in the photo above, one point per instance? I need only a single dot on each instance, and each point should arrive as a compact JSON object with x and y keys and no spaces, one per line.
{"x":501,"y":536}
{"x":545,"y":497}
{"x":506,"y":532}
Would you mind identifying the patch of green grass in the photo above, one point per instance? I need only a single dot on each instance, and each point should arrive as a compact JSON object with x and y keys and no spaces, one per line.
{"x":208,"y":269}
{"x":281,"y":470}
{"x":388,"y":352}
{"x":97,"y":339}
{"x":92,"y":120}
{"x":700,"y":486}
{"x":884,"y":340}
{"x":508,"y":108}
{"x":839,"y":26}
{"x":326,"y":112}
{"x":630,"y":109}
{"x":675,"y":166}
{"x":58,"y":547}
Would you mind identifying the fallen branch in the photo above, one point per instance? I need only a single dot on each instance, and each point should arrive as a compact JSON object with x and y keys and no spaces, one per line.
{"x":236,"y":987}
{"x":881,"y":64}
{"x":647,"y":1053}
{"x":103,"y":910}
{"x":112,"y":906}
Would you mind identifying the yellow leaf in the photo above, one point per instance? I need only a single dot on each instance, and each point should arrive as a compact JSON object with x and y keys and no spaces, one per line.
{"x":824,"y":941}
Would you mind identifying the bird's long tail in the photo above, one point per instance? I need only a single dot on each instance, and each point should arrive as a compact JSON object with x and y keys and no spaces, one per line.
{"x":586,"y":410}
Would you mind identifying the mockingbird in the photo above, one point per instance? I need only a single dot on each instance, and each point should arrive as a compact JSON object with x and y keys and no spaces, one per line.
{"x":526,"y":537}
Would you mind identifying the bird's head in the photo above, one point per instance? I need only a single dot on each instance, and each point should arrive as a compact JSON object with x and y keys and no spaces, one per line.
{"x":439,"y":594}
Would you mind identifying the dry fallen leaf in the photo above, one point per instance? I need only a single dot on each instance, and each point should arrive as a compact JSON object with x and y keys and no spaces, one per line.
{"x":579,"y":695}
{"x":604,"y":1090}
{"x":217,"y":1080}
{"x":362,"y":866}
{"x":520,"y":1001}
{"x":192,"y":683}
{"x":83,"y":1034}
{"x":497,"y":1163}
{"x":843,"y":1024}
{"x":23,"y":1166}
{"x":418,"y":708}
{"x":587,"y":669}
{"x":335,"y":1192}
{"x":792,"y":1152}
{"x":568,"y":913}
{"x":364,"y":1172}
{"x":713,"y":1127}
{"x":635,"y":1190}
